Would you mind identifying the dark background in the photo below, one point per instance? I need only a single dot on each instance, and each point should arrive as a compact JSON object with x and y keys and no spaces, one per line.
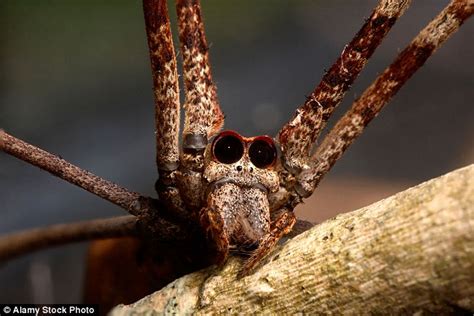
{"x":75,"y":80}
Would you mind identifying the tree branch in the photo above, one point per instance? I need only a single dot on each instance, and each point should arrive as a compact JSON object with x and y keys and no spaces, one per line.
{"x":410,"y":253}
{"x":20,"y":243}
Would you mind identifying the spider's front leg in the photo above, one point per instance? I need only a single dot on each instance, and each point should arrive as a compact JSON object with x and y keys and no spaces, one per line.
{"x":299,"y":134}
{"x":380,"y":92}
{"x":167,"y":106}
{"x":203,"y":117}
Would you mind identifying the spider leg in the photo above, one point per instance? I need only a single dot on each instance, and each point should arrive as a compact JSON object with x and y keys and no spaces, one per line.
{"x":20,"y":243}
{"x":149,"y":211}
{"x":167,"y":105}
{"x":380,"y":92}
{"x":165,"y":83}
{"x":281,"y":226}
{"x":298,"y":135}
{"x":133,"y":202}
{"x":203,"y":116}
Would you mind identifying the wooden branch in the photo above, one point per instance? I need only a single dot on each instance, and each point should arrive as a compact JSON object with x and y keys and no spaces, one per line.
{"x":20,"y":243}
{"x":410,"y":253}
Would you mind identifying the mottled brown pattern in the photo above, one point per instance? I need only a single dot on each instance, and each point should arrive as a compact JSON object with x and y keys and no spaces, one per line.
{"x":190,"y":186}
{"x":238,"y":205}
{"x":298,"y":135}
{"x":253,"y":219}
{"x":167,"y":104}
{"x":165,"y":83}
{"x":203,"y":115}
{"x":367,"y":107}
{"x":249,"y":176}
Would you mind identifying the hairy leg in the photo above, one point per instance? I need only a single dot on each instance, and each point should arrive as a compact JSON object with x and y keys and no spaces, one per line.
{"x":300,"y":133}
{"x":165,"y":83}
{"x":167,"y":107}
{"x":215,"y":231}
{"x":371,"y":102}
{"x":203,"y":116}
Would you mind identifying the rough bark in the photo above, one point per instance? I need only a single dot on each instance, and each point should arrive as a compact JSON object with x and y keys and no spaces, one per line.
{"x":410,"y":253}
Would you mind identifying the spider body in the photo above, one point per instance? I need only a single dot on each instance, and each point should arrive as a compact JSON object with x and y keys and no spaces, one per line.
{"x":238,"y":190}
{"x":239,"y":174}
{"x":228,"y":191}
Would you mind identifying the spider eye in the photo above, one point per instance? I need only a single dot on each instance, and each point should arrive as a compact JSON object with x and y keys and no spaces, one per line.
{"x":262,"y":152}
{"x":228,"y":148}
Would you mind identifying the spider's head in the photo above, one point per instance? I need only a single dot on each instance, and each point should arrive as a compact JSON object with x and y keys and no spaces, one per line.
{"x":240,"y":173}
{"x":246,"y":162}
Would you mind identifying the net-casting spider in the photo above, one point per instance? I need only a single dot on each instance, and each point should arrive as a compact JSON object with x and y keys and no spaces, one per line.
{"x":238,"y":192}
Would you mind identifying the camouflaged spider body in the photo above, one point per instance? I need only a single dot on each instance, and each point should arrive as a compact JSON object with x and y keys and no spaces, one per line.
{"x":239,"y":174}
{"x":238,"y":190}
{"x":244,"y":198}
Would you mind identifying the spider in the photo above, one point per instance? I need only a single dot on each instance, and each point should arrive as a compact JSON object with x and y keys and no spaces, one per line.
{"x":240,"y":190}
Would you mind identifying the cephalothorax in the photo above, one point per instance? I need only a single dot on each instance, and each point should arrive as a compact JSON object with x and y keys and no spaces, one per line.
{"x":239,"y":174}
{"x":240,"y":191}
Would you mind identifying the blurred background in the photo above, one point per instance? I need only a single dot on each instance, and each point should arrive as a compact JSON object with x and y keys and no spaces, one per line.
{"x":75,"y":80}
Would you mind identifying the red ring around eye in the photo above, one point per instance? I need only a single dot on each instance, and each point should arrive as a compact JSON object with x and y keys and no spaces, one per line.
{"x":228,"y":147}
{"x":262,"y":152}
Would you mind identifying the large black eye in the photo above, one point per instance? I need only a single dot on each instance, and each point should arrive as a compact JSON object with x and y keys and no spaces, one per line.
{"x":262,"y":152}
{"x":228,"y":148}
